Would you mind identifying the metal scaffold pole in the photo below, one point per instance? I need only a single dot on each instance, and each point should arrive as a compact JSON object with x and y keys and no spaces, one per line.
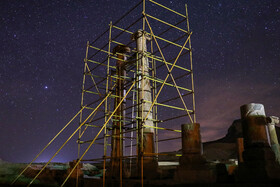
{"x":107,"y":109}
{"x":191,"y":63}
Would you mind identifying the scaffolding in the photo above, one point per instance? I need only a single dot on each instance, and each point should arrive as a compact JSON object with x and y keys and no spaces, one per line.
{"x":113,"y":100}
{"x":101,"y":71}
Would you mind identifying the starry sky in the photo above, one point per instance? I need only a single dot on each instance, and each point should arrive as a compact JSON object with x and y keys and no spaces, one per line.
{"x":236,"y":56}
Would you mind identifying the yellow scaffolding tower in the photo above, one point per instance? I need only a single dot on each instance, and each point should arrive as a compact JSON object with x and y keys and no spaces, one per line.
{"x":157,"y":60}
{"x":172,"y":88}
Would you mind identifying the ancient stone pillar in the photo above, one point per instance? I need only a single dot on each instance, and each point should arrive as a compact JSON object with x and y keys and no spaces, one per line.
{"x":193,"y":167}
{"x":116,"y":139}
{"x":146,"y":130}
{"x":259,"y":160}
{"x":272,"y":121}
{"x":254,"y":125}
{"x":191,"y":140}
{"x":144,"y":87}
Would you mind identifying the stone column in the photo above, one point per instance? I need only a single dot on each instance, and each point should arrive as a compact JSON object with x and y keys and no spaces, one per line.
{"x":191,"y":140}
{"x":259,"y":160}
{"x":116,"y":139}
{"x":144,"y":94}
{"x":254,"y":125}
{"x":193,"y":167}
{"x":272,"y":121}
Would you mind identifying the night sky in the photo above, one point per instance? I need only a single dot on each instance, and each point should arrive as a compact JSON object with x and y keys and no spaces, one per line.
{"x":236,"y":56}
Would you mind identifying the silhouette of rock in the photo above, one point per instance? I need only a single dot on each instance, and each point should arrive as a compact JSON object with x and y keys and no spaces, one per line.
{"x":225,"y":148}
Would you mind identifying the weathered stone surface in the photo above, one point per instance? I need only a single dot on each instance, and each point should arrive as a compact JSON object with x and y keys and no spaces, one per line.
{"x":259,"y":160}
{"x":193,"y":167}
{"x":191,"y":139}
{"x":272,"y":121}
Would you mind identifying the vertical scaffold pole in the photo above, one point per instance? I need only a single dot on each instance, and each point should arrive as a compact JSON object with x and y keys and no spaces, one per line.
{"x":83,"y":93}
{"x":142,"y":94}
{"x":106,"y":104}
{"x":82,"y":103}
{"x":192,"y":77}
{"x":119,"y":118}
{"x":142,"y":132}
{"x":132,"y":124}
{"x":154,"y":87}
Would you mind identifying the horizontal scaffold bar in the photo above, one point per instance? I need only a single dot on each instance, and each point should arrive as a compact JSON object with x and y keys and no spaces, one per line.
{"x":127,"y":31}
{"x":158,"y":37}
{"x":99,"y":63}
{"x":90,"y":108}
{"x":169,"y":106}
{"x":168,"y":84}
{"x":108,"y":157}
{"x":119,"y":120}
{"x":97,"y":126}
{"x":162,"y":128}
{"x":123,"y":78}
{"x":164,"y":22}
{"x":163,"y":140}
{"x":132,"y":156}
{"x":147,"y":119}
{"x":168,"y":8}
{"x":96,"y":76}
{"x":83,"y":142}
{"x":88,"y":141}
{"x":168,"y":41}
{"x":108,"y":52}
{"x":112,"y":96}
{"x":160,"y":60}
